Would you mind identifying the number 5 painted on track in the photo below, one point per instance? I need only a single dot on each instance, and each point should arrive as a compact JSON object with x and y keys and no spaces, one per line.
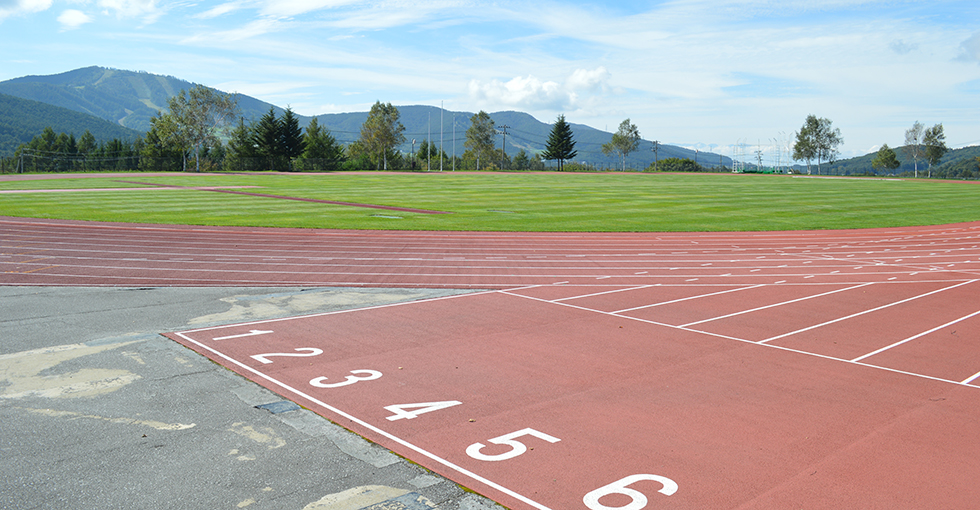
{"x":351,"y":379}
{"x":518,"y":447}
{"x":591,"y":499}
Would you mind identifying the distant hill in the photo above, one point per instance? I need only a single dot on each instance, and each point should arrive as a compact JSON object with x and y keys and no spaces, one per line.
{"x":130,"y":99}
{"x":127,"y":98}
{"x":957,"y":163}
{"x":523,"y":132}
{"x":22,"y":119}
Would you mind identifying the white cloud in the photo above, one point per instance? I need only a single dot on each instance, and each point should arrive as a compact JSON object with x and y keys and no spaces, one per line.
{"x":146,"y":9}
{"x":72,"y":19}
{"x":220,"y":10}
{"x":532,"y":93}
{"x":970,"y":49}
{"x":10,"y":8}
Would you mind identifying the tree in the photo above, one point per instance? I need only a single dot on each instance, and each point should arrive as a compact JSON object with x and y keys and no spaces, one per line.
{"x":382,"y":132}
{"x":198,"y":114}
{"x":624,"y":141}
{"x":560,"y":146}
{"x":479,"y":138}
{"x":522,"y":161}
{"x":267,"y":138}
{"x":886,"y":159}
{"x":817,"y":140}
{"x":166,"y":145}
{"x":913,"y":144}
{"x":935,"y":145}
{"x":290,"y":135}
{"x":320,"y":149}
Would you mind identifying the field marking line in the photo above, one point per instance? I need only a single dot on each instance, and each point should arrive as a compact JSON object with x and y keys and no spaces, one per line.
{"x":924,"y":333}
{"x":815,"y":326}
{"x":778,"y":304}
{"x":690,"y":298}
{"x":972,"y":378}
{"x":607,"y":292}
{"x":368,"y":426}
{"x":770,"y":346}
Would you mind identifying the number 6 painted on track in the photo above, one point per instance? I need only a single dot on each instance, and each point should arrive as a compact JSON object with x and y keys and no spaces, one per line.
{"x":591,"y":499}
{"x":351,"y":379}
{"x":473,"y":450}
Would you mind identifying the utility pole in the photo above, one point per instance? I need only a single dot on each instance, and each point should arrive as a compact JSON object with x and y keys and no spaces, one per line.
{"x":656,"y":155}
{"x":503,"y":147}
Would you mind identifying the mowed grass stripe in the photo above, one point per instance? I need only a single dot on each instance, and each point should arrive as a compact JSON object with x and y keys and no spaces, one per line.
{"x":516,"y":202}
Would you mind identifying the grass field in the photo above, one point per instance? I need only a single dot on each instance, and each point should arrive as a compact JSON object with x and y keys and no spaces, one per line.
{"x":510,"y":201}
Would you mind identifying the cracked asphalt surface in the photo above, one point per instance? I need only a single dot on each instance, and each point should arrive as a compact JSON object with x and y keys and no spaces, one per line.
{"x":100,"y":411}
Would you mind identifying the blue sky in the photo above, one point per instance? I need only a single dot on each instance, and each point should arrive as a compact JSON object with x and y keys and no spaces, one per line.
{"x":699,"y":73}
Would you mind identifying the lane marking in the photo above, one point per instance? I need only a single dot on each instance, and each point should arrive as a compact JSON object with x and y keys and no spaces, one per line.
{"x":254,"y":332}
{"x":688,"y":298}
{"x":866,"y":312}
{"x":924,"y":333}
{"x":777,"y":304}
{"x":368,"y":426}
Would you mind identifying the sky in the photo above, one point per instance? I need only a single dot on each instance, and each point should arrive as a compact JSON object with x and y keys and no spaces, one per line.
{"x":706,"y":74}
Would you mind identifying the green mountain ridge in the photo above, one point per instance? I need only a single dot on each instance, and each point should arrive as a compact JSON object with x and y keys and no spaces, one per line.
{"x":23,"y":119}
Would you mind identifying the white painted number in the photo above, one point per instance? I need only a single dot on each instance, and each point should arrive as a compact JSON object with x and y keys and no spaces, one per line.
{"x":370,"y":375}
{"x":311,"y":351}
{"x":591,"y":499}
{"x":517,"y":447}
{"x":402,"y":410}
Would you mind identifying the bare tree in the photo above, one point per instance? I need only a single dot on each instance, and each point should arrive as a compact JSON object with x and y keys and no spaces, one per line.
{"x":913,"y":144}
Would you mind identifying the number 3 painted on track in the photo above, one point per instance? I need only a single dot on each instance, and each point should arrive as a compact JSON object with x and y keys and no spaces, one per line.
{"x":351,"y":379}
{"x":591,"y":499}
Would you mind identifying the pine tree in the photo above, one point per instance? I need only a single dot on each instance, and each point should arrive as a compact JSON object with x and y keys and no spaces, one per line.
{"x":561,"y":146}
{"x":291,"y":135}
{"x":266,"y":138}
{"x":321,"y":151}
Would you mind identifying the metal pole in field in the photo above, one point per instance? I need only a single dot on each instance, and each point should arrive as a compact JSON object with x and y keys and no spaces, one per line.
{"x":441,"y":130}
{"x":454,"y":141}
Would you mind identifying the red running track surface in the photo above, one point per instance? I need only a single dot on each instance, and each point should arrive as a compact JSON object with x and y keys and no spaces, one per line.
{"x":759,"y":370}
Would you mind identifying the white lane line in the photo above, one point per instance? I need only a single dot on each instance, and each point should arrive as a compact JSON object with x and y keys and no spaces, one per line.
{"x":606,"y":292}
{"x":742,"y":340}
{"x":370,"y":427}
{"x":688,"y":298}
{"x":776,"y":304}
{"x":924,"y":333}
{"x":815,"y":326}
{"x":973,"y":378}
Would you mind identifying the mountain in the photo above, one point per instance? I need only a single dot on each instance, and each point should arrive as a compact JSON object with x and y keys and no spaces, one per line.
{"x":22,"y":119}
{"x":957,"y":163}
{"x":127,"y":98}
{"x":130,"y":99}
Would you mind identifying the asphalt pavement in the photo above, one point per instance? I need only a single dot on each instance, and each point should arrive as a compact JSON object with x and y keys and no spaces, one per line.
{"x":98,"y":410}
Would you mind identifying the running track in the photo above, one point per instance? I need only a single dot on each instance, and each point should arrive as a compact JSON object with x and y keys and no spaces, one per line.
{"x":759,"y":370}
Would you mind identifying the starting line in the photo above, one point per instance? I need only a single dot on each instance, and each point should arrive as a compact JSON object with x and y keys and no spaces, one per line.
{"x":537,"y":403}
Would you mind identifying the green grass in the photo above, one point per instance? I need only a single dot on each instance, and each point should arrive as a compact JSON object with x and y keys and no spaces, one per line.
{"x":513,"y":202}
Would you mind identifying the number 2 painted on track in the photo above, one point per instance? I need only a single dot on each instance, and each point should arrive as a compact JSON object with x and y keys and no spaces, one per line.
{"x":311,"y":351}
{"x":639,"y":501}
{"x":517,"y":447}
{"x":370,"y":375}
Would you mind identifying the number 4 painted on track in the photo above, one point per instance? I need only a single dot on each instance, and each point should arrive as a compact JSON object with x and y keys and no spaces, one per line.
{"x":402,"y":410}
